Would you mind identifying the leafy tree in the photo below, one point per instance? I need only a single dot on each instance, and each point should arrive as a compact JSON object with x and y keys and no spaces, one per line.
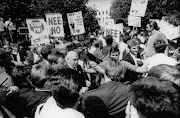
{"x":155,"y":9}
{"x":120,"y":10}
{"x":38,"y":8}
{"x":14,"y":8}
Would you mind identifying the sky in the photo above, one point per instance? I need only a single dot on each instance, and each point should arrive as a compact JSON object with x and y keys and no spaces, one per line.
{"x":100,"y":4}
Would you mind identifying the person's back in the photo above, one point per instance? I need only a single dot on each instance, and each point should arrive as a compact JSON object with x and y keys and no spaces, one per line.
{"x":31,"y":98}
{"x":160,"y":57}
{"x":50,"y":109}
{"x":152,"y":39}
{"x":155,"y":35}
{"x":152,"y":97}
{"x":98,"y":53}
{"x":109,"y":100}
{"x":63,"y":101}
{"x":106,"y":49}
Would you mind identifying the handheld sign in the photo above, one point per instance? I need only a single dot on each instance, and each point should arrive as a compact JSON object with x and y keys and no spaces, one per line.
{"x":55,"y":23}
{"x":171,"y":32}
{"x":115,"y":30}
{"x":138,"y":7}
{"x":134,"y":21}
{"x":109,"y":22}
{"x":76,"y":23}
{"x":38,"y":31}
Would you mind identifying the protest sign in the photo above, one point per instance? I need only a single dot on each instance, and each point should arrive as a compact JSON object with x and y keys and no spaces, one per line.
{"x":115,"y":30}
{"x":138,"y":7}
{"x":171,"y":32}
{"x":134,"y":21}
{"x":76,"y":23}
{"x":38,"y":31}
{"x":55,"y":23}
{"x":109,"y":22}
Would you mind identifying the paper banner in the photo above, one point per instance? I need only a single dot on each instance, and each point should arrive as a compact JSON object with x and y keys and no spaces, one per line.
{"x":55,"y":23}
{"x":76,"y":23}
{"x":134,"y":21}
{"x":38,"y":31}
{"x":138,"y":7}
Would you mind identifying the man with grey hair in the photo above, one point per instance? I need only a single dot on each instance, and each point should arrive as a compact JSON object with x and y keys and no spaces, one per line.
{"x":75,"y":70}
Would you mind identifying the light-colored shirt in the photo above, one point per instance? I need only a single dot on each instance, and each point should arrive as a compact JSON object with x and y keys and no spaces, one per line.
{"x":157,"y":59}
{"x":50,"y":109}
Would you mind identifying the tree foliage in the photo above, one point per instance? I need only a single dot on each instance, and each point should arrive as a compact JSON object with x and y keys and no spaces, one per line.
{"x":155,"y":9}
{"x":120,"y":10}
{"x":38,"y":8}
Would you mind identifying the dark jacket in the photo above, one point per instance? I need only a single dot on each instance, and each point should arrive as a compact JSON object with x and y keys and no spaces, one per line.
{"x":130,"y":76}
{"x":107,"y":101}
{"x":31,"y":99}
{"x":77,"y":75}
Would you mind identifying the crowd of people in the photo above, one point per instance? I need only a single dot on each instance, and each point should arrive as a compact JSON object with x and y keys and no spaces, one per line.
{"x":136,"y":77}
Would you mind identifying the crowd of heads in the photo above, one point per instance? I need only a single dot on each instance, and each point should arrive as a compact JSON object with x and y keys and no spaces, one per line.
{"x":65,"y":70}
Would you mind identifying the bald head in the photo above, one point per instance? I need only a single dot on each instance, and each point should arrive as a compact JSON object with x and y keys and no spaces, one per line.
{"x":72,"y":59}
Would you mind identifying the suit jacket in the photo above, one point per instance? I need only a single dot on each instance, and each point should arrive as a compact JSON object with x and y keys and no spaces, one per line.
{"x":77,"y":75}
{"x":130,"y":76}
{"x":107,"y":101}
{"x":32,"y":98}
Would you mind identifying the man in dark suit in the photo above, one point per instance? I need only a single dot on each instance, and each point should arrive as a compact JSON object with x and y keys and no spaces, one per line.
{"x":109,"y":100}
{"x":134,"y":58}
{"x":31,"y":98}
{"x":75,"y":71}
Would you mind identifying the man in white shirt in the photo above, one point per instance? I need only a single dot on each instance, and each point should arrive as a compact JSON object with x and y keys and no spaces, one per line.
{"x":63,"y":102}
{"x":160,"y":57}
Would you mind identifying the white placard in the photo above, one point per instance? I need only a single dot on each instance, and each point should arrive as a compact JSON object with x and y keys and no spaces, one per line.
{"x":138,"y":7}
{"x":38,"y":31}
{"x":171,"y":32}
{"x":55,"y":23}
{"x":134,"y":21}
{"x":109,"y":22}
{"x":76,"y":23}
{"x":115,"y":30}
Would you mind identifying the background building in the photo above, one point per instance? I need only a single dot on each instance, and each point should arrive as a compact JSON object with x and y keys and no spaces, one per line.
{"x":103,"y":10}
